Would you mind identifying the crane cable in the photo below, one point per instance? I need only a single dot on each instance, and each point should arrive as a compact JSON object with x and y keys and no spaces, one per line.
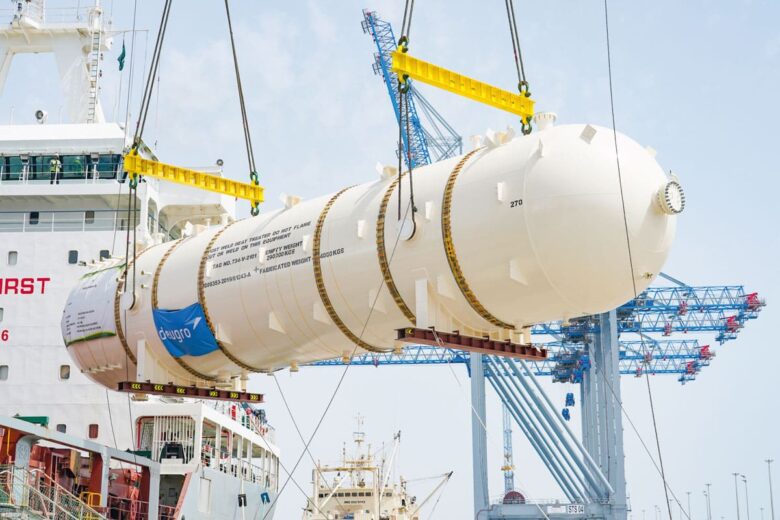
{"x":630,"y":256}
{"x":250,"y":155}
{"x":148,"y":91}
{"x":522,"y":82}
{"x":341,"y":378}
{"x":404,"y":86}
{"x":146,"y":99}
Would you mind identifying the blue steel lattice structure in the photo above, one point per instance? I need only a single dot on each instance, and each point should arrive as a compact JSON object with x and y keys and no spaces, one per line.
{"x":588,"y":351}
{"x":434,"y":141}
{"x":722,"y":310}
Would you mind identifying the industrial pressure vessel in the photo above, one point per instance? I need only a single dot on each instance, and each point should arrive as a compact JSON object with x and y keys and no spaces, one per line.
{"x":508,"y":235}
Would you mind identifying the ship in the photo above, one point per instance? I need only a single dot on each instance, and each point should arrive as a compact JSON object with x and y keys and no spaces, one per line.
{"x":360,"y":486}
{"x":72,"y":448}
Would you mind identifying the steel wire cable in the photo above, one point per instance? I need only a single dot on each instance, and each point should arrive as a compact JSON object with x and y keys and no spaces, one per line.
{"x":474,"y":410}
{"x":250,"y":156}
{"x":284,"y":468}
{"x":630,"y":255}
{"x":400,"y":146}
{"x":638,"y":434}
{"x":406,"y":23}
{"x":343,"y":373}
{"x":303,"y":440}
{"x":149,"y":88}
{"x":403,"y":112}
{"x":132,"y":68}
{"x":518,"y":55}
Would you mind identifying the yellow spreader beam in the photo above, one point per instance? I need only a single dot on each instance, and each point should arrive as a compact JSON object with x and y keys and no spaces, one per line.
{"x":409,"y":66}
{"x":135,"y":165}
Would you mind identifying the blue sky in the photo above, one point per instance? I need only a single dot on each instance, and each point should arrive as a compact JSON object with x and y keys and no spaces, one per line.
{"x":695,"y":80}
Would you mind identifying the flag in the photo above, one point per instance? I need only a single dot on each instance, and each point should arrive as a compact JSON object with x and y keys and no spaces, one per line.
{"x":121,"y":58}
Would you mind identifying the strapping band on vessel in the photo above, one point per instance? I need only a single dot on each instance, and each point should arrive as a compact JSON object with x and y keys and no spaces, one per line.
{"x":384,"y":264}
{"x":117,"y":310}
{"x":449,"y":247}
{"x":155,"y":305}
{"x":202,"y":301}
{"x":317,"y":263}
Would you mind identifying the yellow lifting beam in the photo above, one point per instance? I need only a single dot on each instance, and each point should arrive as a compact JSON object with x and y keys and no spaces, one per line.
{"x":410,"y":67}
{"x":135,"y":165}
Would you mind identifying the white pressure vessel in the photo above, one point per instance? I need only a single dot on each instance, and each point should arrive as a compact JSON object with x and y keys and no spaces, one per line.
{"x":511,"y":234}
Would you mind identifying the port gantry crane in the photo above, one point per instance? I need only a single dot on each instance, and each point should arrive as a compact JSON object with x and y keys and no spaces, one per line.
{"x":661,"y":332}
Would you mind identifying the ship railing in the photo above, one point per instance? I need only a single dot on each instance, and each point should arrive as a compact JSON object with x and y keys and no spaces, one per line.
{"x":59,"y":15}
{"x":76,"y":175}
{"x":226,"y":408}
{"x":36,"y":492}
{"x":65,"y":220}
{"x":499,"y":499}
{"x":137,"y":509}
{"x":248,"y":471}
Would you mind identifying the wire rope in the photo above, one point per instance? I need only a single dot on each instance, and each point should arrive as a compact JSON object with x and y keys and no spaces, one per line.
{"x":149,"y":88}
{"x":343,"y":373}
{"x":522,"y":82}
{"x":132,"y":68}
{"x":250,"y":156}
{"x":303,"y":440}
{"x":630,"y":255}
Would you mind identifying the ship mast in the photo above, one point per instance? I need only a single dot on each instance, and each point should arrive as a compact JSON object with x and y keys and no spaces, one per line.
{"x":78,"y":45}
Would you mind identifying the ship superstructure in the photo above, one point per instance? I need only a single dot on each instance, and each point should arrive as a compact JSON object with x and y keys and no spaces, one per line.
{"x":360,"y":486}
{"x":65,"y":210}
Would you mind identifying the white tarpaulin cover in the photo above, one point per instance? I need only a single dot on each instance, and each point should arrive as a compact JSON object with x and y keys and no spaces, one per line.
{"x":89,"y":313}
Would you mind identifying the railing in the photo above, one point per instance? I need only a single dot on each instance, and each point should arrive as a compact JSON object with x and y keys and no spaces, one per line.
{"x":37,"y":493}
{"x":136,"y":509}
{"x":265,"y":430}
{"x":64,"y":220}
{"x":48,"y":15}
{"x":559,"y":502}
{"x":242,"y":468}
{"x":73,"y":170}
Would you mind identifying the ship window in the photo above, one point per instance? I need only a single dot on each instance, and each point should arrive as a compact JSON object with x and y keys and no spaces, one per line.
{"x":13,"y":256}
{"x":34,"y":217}
{"x":73,"y":167}
{"x":104,"y":254}
{"x":62,"y":428}
{"x":1,"y":314}
{"x":64,"y":372}
{"x":107,"y":165}
{"x":3,"y":372}
{"x":14,"y":167}
{"x":93,"y":431}
{"x":73,"y":256}
{"x":89,"y":217}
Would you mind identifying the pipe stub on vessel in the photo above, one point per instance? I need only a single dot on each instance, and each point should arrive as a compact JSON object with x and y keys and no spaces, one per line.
{"x":671,"y":198}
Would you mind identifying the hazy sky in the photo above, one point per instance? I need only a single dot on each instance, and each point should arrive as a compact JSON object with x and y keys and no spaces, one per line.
{"x":696,"y":80}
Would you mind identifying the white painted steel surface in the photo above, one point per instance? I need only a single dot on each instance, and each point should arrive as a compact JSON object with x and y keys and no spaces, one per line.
{"x":537,"y":228}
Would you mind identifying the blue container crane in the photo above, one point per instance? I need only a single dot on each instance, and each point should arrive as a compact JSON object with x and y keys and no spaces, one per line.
{"x":425,"y":144}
